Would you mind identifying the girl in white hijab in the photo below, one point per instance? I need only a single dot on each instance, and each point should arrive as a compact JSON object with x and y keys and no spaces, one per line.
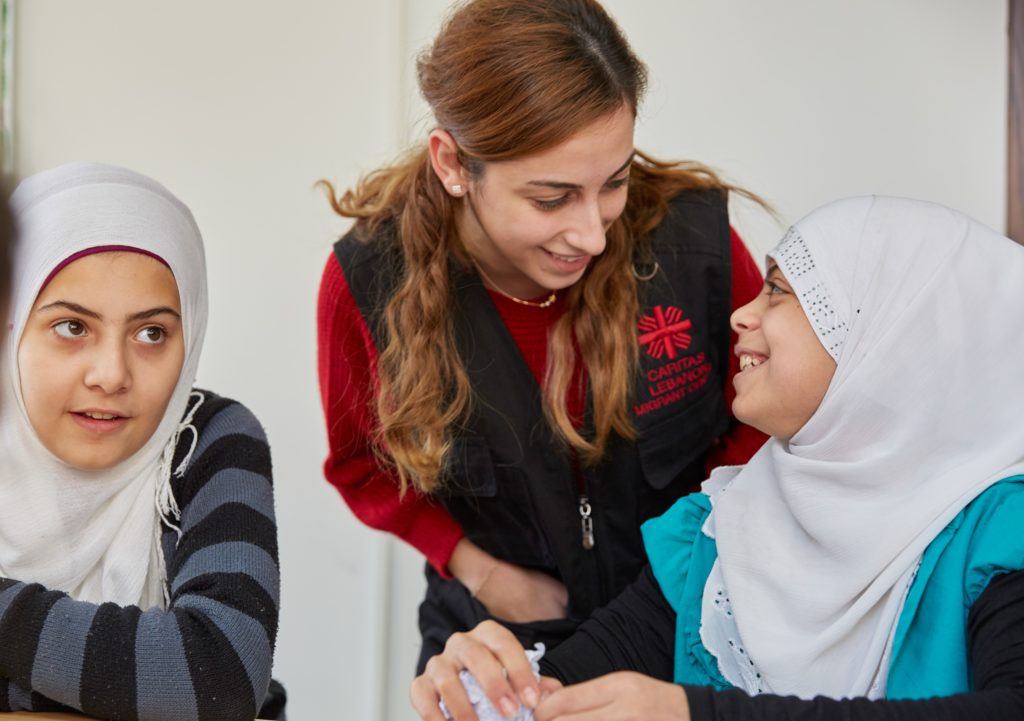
{"x":119,"y":482}
{"x":867,"y":562}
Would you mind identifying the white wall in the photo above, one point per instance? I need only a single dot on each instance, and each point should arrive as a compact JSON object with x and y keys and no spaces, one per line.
{"x":240,"y":105}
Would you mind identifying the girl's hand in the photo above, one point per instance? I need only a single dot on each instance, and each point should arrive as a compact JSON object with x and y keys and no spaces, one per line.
{"x":493,"y":655}
{"x":507,"y":591}
{"x":622,"y":696}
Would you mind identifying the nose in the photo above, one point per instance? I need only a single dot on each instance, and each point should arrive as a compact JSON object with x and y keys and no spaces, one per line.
{"x":109,"y":369}
{"x":588,"y":231}
{"x":748,"y":317}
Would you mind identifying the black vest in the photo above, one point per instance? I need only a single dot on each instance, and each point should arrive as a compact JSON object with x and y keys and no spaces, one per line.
{"x":511,"y":485}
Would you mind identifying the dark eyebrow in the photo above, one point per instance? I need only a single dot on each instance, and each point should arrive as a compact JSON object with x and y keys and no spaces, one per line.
{"x":73,"y":307}
{"x":573,"y":186}
{"x":152,"y":312}
{"x":82,"y":310}
{"x":772,"y":268}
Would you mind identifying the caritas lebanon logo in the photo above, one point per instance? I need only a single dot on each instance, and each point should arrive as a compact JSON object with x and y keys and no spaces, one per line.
{"x":678,"y":371}
{"x":664,"y":332}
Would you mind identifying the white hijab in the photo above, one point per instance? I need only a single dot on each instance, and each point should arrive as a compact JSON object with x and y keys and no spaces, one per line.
{"x":93,"y":534}
{"x":819,"y":538}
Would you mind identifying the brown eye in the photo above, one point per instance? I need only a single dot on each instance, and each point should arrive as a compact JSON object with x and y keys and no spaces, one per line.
{"x":69,"y":329}
{"x":151,"y":335}
{"x":552,"y":204}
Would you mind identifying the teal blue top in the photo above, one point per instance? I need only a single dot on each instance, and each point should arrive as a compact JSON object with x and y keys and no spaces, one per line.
{"x":930,"y":656}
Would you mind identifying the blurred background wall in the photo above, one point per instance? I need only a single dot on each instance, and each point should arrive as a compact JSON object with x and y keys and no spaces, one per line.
{"x":240,"y":106}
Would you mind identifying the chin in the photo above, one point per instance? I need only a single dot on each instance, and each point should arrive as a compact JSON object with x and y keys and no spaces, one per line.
{"x":91,"y":461}
{"x":747,"y":418}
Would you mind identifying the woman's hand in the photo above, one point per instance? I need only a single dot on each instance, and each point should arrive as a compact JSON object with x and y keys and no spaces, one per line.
{"x":493,"y":655}
{"x":507,"y":591}
{"x":623,"y":696}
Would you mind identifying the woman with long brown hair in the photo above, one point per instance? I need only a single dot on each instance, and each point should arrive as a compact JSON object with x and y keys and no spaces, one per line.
{"x":524,"y":339}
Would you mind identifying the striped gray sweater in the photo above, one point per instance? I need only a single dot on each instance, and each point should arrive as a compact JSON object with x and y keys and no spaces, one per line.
{"x":209,"y":655}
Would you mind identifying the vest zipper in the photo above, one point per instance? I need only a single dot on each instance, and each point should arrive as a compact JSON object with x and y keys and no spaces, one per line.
{"x":586,"y":523}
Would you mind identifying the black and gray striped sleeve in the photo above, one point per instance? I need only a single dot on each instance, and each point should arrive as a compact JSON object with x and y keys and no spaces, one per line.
{"x":209,"y":655}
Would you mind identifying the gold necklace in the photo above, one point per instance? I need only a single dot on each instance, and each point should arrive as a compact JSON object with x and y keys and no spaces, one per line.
{"x":546,"y":303}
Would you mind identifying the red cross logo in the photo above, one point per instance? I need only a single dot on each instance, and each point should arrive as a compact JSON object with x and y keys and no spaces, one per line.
{"x":664,"y":332}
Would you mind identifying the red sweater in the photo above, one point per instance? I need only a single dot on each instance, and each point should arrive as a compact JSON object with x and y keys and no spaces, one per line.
{"x":348,"y":376}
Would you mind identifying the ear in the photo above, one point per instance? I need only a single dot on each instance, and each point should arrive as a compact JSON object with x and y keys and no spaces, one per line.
{"x":444,"y":158}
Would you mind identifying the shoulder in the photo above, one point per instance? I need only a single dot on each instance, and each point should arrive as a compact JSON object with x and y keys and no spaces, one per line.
{"x":215,"y":416}
{"x":994,"y":516}
{"x":708,"y":199}
{"x":371,"y":265}
{"x":224,"y":489}
{"x":695,"y":222}
{"x":360,"y":246}
{"x":219,"y":439}
{"x":985,"y":537}
{"x":674,"y":539}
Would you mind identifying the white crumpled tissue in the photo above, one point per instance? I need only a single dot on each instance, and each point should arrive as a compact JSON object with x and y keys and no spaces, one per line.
{"x":483,"y":707}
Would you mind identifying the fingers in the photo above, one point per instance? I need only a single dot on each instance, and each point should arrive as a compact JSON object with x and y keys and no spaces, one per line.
{"x":579,"y":699}
{"x":424,"y":699}
{"x":548,"y":685}
{"x":498,"y":663}
{"x":616,"y":697}
{"x":485,"y":666}
{"x":494,"y":656}
{"x":440,"y":680}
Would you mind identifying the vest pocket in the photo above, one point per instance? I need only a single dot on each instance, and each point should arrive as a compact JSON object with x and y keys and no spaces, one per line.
{"x":667,"y":447}
{"x":494,"y":506}
{"x":470,"y":471}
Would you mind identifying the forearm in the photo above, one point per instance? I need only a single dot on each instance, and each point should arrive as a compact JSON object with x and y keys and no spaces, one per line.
{"x":632,"y":633}
{"x":17,"y":698}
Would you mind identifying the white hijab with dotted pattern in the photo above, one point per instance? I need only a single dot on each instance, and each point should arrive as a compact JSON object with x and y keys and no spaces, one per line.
{"x":819,"y":538}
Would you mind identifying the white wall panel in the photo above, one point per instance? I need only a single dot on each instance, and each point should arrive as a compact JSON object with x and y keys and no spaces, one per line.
{"x":239,"y":106}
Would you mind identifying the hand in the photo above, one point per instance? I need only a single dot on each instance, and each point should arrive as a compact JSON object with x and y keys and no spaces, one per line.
{"x":507,"y":591}
{"x":622,"y":696}
{"x":493,"y":655}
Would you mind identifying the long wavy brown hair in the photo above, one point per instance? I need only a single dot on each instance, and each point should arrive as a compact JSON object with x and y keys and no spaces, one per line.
{"x":509,"y":78}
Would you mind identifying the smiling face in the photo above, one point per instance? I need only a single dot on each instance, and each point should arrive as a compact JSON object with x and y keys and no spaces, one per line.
{"x":784,"y":368}
{"x":534,"y":224}
{"x":100,"y":356}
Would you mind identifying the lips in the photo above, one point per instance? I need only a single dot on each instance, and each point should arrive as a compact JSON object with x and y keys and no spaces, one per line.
{"x":568,"y":263}
{"x":567,"y":258}
{"x":98,"y":421}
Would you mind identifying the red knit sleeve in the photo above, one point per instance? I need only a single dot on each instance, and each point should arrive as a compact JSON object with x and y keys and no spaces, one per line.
{"x":347,"y":368}
{"x":741,"y":441}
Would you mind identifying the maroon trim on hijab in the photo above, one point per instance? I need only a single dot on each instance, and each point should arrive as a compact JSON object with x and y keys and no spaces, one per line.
{"x":92,"y":251}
